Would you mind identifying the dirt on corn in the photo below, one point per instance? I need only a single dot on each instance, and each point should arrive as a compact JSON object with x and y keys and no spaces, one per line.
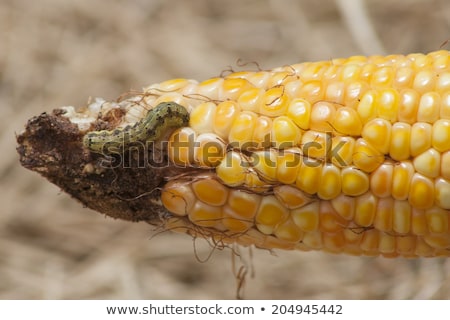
{"x":56,"y":54}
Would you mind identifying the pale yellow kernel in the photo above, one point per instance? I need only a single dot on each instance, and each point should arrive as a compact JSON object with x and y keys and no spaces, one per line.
{"x":232,"y":88}
{"x":353,"y":93}
{"x":264,"y":163}
{"x":243,"y":203}
{"x":232,"y":169}
{"x":441,"y":135}
{"x":331,"y":74}
{"x":386,"y":243}
{"x":288,"y":165}
{"x":370,"y":242}
{"x":420,"y":138}
{"x":440,"y":59}
{"x":342,"y":150}
{"x":251,"y":99}
{"x":330,"y":221}
{"x":202,"y":117}
{"x":322,"y":116}
{"x":210,"y":191}
{"x":299,"y":111}
{"x":401,"y":179}
{"x":259,"y":79}
{"x":443,"y":82}
{"x":408,"y":106}
{"x":307,"y":217}
{"x":261,"y":133}
{"x":279,"y":78}
{"x":444,"y":112}
{"x":381,"y":180}
{"x":353,"y":234}
{"x":232,"y":221}
{"x":285,"y":133}
{"x":442,"y":192}
{"x":419,"y":60}
{"x":382,"y":77}
{"x":256,"y":182}
{"x":429,"y":107}
{"x":316,"y":144}
{"x":308,"y":178}
{"x":241,"y":131}
{"x":424,"y":80}
{"x":210,"y":88}
{"x":384,"y":214}
{"x":333,"y":242}
{"x":181,"y":147}
{"x":350,"y":72}
{"x":205,"y":215}
{"x":288,"y":231}
{"x":377,"y":133}
{"x":423,"y":249}
{"x":421,"y":192}
{"x":274,"y":102}
{"x":366,"y":157}
{"x":428,"y":163}
{"x":315,"y":70}
{"x":419,"y":225}
{"x":209,"y":150}
{"x":178,"y":197}
{"x":404,"y":77}
{"x":401,"y":222}
{"x":437,"y":220}
{"x":365,"y":209}
{"x":330,"y":182}
{"x":313,"y":240}
{"x":292,"y":88}
{"x":226,"y":113}
{"x":438,"y":241}
{"x":271,"y":212}
{"x":335,"y":92}
{"x":406,"y":245}
{"x":344,"y":206}
{"x":291,"y":197}
{"x":347,"y":122}
{"x":445,"y":165}
{"x":368,"y":70}
{"x":354,"y":181}
{"x":388,"y":104}
{"x":400,"y":141}
{"x":312,"y":91}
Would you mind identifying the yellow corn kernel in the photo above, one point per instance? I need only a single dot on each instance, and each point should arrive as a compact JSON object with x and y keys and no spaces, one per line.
{"x":288,"y":164}
{"x":429,"y":107}
{"x":384,"y":216}
{"x":388,"y":102}
{"x":401,"y":222}
{"x":262,"y":132}
{"x":428,"y":163}
{"x":269,"y":214}
{"x":205,"y":215}
{"x":240,"y":210}
{"x":312,"y":91}
{"x":381,"y":180}
{"x":420,"y":138}
{"x":308,"y":178}
{"x":181,"y":147}
{"x":210,"y":191}
{"x":299,"y":110}
{"x":444,"y":112}
{"x":408,"y":106}
{"x":307,"y":217}
{"x":232,"y":88}
{"x":365,"y":209}
{"x":366,"y":157}
{"x":342,"y":151}
{"x":442,"y":192}
{"x":367,"y":106}
{"x":400,"y":141}
{"x":421,"y":193}
{"x":322,"y":116}
{"x":329,"y":220}
{"x":347,"y":122}
{"x":250,"y":100}
{"x":232,"y":169}
{"x":241,"y":131}
{"x":354,"y":181}
{"x":401,"y":180}
{"x":202,"y":117}
{"x":437,"y":220}
{"x":285,"y":133}
{"x":445,"y":165}
{"x":335,"y":92}
{"x":288,"y":231}
{"x":441,"y":135}
{"x":377,"y":133}
{"x":330,"y":182}
{"x":291,"y":197}
{"x":226,"y":113}
{"x":274,"y":102}
{"x":425,"y":80}
{"x":210,"y":88}
{"x":419,"y":225}
{"x":264,"y":164}
{"x":178,"y":197}
{"x":344,"y":206}
{"x":209,"y":151}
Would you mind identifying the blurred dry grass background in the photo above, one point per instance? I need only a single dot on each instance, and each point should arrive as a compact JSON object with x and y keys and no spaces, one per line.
{"x":55,"y":53}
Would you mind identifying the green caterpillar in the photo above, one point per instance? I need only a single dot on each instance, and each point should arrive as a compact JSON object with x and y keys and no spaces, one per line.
{"x":157,"y":121}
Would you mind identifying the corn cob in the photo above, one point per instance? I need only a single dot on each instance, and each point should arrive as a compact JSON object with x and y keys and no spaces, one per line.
{"x":346,"y":155}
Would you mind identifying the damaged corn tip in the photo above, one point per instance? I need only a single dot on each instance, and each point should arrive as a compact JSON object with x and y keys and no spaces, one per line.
{"x":347,"y":155}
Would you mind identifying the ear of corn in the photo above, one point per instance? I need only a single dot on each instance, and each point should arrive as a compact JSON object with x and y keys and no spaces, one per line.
{"x":347,"y":155}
